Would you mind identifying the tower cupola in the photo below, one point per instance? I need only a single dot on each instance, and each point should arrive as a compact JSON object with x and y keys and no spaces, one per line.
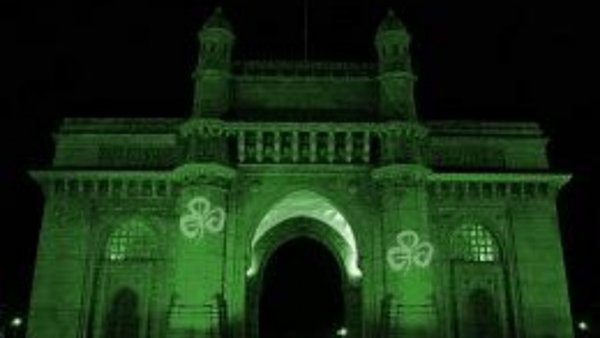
{"x":213,"y":71}
{"x":392,"y":43}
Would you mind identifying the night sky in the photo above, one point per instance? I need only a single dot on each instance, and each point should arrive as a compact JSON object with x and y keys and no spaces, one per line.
{"x":484,"y":60}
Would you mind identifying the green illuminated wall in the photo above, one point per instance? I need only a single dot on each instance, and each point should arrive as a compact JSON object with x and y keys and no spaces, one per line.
{"x":162,"y":227}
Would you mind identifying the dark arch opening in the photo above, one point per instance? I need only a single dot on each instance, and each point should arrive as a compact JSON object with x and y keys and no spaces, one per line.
{"x":122,"y":320}
{"x":484,"y":317}
{"x":301,"y":294}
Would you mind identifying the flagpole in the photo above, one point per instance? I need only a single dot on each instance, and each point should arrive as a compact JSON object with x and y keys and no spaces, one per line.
{"x":305,"y":30}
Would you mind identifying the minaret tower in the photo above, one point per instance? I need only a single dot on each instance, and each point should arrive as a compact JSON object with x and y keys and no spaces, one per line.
{"x":396,"y":80}
{"x":213,"y":72}
{"x":396,"y":93}
{"x":203,"y":182}
{"x":402,"y":180}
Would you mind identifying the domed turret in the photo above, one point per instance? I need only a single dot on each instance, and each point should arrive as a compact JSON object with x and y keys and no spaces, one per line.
{"x":395,"y":71}
{"x":217,"y":21}
{"x":392,"y":41}
{"x":390,"y":23}
{"x":216,"y":42}
{"x":214,"y":65}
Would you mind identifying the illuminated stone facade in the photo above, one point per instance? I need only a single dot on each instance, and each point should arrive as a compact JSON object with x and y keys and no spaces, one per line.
{"x":163,"y":227}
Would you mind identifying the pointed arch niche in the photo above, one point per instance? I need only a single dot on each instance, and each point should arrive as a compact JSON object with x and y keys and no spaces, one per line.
{"x":308,"y":204}
{"x":125,"y":283}
{"x":479,"y":287}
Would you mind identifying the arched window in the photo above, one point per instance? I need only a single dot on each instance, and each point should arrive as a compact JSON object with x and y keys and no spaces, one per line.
{"x":132,"y":242}
{"x":474,"y":243}
{"x":479,"y":293}
{"x":125,"y":285}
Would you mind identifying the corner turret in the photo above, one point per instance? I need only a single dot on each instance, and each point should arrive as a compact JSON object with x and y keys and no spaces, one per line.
{"x":395,"y":72}
{"x":212,"y":74}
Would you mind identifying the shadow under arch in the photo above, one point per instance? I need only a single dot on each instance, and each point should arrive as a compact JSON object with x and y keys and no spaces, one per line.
{"x":301,"y":291}
{"x":289,"y":230}
{"x":122,"y":321}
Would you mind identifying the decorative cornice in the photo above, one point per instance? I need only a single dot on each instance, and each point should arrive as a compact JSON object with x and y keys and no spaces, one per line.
{"x":472,"y":185}
{"x":130,"y":183}
{"x":171,"y":125}
{"x":304,"y":68}
{"x":216,"y":127}
{"x":397,"y":74}
{"x":199,"y":173}
{"x":203,"y":126}
{"x":402,"y":174}
{"x":116,"y":125}
{"x":105,"y":183}
{"x":495,"y":185}
{"x":485,"y":129}
{"x":554,"y":178}
{"x":291,"y":169}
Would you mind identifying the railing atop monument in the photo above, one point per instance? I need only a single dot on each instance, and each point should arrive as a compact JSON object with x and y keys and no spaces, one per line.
{"x":293,"y":146}
{"x":304,"y":68}
{"x":322,"y":143}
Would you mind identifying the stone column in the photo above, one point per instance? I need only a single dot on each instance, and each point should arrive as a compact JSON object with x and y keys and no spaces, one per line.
{"x":539,"y":263}
{"x":57,"y":308}
{"x":408,"y":276}
{"x":200,"y":249}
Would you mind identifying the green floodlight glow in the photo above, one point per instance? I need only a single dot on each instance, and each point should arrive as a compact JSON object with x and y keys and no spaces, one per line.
{"x":309,"y":204}
{"x":162,"y":226}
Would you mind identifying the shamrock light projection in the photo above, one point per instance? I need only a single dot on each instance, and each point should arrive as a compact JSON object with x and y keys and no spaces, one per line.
{"x":201,"y":216}
{"x":409,"y":251}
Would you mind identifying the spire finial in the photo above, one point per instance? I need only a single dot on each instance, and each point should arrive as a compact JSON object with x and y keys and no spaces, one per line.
{"x":305,"y":30}
{"x":218,"y":20}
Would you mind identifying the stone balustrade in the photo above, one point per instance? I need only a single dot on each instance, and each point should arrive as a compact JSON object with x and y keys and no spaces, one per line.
{"x":293,"y":146}
{"x":322,"y":143}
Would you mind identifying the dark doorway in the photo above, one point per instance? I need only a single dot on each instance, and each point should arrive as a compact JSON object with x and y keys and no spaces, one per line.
{"x":122,"y":321}
{"x":301,"y":292}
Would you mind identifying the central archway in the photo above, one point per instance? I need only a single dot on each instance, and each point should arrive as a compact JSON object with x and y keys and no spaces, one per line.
{"x":301,"y":294}
{"x":308,"y":215}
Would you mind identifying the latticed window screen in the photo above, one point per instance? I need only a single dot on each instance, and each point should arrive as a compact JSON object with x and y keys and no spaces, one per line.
{"x":473,"y":243}
{"x":134,"y":242}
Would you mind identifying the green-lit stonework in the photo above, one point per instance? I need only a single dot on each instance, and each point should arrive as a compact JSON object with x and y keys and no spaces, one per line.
{"x":164,"y":227}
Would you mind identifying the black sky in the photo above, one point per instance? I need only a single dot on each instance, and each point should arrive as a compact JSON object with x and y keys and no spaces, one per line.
{"x":484,"y":60}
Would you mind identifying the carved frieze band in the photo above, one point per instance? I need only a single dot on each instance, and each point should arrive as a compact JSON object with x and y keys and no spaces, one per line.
{"x":133,"y":183}
{"x":113,"y":186}
{"x":220,"y":127}
{"x":471,"y":185}
{"x":512,"y":187}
